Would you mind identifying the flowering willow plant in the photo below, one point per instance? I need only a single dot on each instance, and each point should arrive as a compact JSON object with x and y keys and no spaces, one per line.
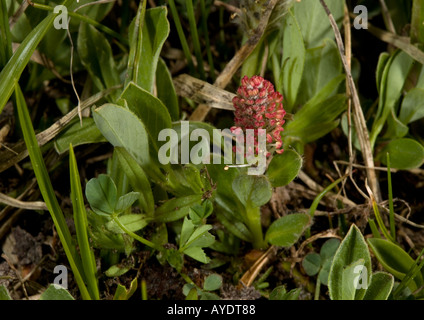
{"x":259,"y":107}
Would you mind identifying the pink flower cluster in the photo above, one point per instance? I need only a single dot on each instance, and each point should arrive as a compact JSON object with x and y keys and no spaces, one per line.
{"x":259,"y":106}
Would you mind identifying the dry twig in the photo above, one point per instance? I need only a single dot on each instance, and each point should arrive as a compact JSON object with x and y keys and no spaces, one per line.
{"x":359,"y":119}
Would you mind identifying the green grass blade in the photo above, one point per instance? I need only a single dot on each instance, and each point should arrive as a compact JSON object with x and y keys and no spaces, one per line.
{"x":181,"y":35}
{"x":205,"y":15}
{"x":16,"y":65}
{"x":374,"y":229}
{"x":195,"y":37}
{"x":5,"y":37}
{"x":81,"y":226}
{"x":47,"y":191}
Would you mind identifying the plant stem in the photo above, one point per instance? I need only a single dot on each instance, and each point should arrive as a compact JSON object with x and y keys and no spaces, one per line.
{"x":135,"y":236}
{"x":253,"y":215}
{"x":317,"y":289}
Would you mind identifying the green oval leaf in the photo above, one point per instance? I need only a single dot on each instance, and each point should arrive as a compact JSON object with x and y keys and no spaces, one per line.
{"x":101,"y":193}
{"x":352,"y":249}
{"x":122,"y":128}
{"x":405,"y":154}
{"x":394,"y":259}
{"x":56,"y":292}
{"x":329,"y":248}
{"x":212,"y":282}
{"x":284,"y":167}
{"x":285,"y":231}
{"x":252,"y":190}
{"x":149,"y":109}
{"x":380,"y":287}
{"x":311,"y":263}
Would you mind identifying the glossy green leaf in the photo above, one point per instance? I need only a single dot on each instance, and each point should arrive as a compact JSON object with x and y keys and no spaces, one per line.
{"x":284,"y":167}
{"x":96,"y":56}
{"x":352,"y":249}
{"x":381,"y":286}
{"x":166,"y":90}
{"x":311,"y":263}
{"x":176,"y":208}
{"x":394,"y":259}
{"x":252,"y":190}
{"x":405,"y":154}
{"x":287,"y":230}
{"x":102,"y":195}
{"x":81,"y":226}
{"x":16,"y":65}
{"x":137,"y":178}
{"x":56,"y":292}
{"x":294,"y":60}
{"x":78,"y":135}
